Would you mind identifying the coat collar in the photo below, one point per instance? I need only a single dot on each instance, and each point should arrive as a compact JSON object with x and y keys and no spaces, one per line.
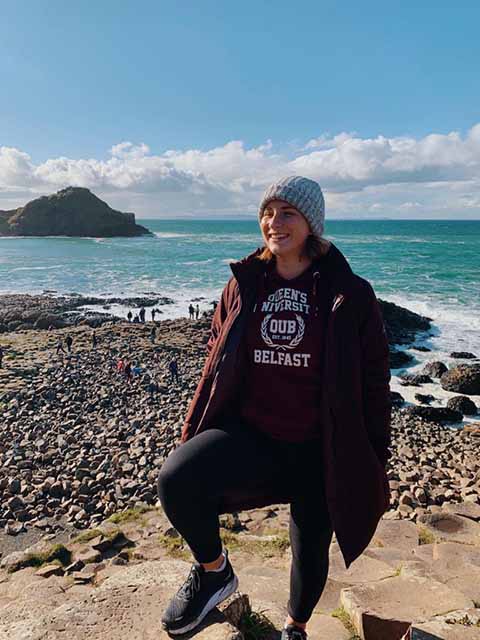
{"x":333,"y":266}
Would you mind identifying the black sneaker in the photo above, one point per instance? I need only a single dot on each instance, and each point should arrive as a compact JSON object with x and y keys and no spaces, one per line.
{"x":292,"y":632}
{"x":198,"y":595}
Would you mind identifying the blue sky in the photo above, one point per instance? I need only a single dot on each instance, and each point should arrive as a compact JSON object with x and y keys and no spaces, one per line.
{"x":169,"y":108}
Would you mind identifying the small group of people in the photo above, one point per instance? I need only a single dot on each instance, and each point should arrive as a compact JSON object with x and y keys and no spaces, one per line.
{"x":68,"y":341}
{"x":140,"y":317}
{"x":128,"y":369}
{"x":193,"y":312}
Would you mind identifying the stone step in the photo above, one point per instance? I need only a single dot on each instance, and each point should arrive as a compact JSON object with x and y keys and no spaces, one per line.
{"x":385,"y":609}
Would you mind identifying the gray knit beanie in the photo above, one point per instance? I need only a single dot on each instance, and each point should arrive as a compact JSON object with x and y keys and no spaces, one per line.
{"x":302,"y":193}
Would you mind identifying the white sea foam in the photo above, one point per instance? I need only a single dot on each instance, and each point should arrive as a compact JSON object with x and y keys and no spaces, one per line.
{"x":170,"y":234}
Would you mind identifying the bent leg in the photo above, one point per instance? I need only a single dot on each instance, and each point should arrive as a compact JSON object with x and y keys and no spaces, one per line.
{"x":199,"y":472}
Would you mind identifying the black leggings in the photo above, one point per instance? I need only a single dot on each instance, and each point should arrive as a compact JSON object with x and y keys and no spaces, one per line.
{"x":204,"y":468}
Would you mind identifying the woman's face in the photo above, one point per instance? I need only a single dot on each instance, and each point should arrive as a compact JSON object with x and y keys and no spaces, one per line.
{"x":284,"y":229}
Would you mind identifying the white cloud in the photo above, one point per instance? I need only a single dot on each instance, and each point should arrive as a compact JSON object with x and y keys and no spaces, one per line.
{"x":434,"y":175}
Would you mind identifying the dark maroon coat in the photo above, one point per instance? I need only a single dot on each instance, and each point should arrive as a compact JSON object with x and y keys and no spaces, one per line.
{"x":355,"y":396}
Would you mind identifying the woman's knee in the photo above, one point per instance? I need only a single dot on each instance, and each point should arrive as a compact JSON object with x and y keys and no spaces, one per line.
{"x":172,"y":480}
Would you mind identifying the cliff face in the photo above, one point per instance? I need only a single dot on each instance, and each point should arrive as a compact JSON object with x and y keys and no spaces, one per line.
{"x":73,"y":211}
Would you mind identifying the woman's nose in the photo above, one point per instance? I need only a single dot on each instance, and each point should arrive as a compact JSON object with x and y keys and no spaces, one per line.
{"x":276,"y":220}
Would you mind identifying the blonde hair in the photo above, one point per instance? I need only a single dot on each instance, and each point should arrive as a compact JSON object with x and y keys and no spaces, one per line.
{"x":314,"y":248}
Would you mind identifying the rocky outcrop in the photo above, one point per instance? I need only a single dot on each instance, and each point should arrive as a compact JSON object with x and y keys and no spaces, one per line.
{"x":73,"y":211}
{"x":24,"y":311}
{"x":463,"y":379}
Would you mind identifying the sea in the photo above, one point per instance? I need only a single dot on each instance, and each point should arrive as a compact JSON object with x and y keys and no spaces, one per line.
{"x":429,"y":266}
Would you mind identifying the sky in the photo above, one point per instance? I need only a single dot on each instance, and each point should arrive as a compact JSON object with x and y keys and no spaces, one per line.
{"x":193,"y":108}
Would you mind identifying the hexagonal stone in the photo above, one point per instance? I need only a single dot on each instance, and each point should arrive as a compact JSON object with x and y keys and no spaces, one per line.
{"x":450,"y":527}
{"x":459,"y":553}
{"x":327,"y":628}
{"x":386,"y":609}
{"x":456,"y":625}
{"x":401,"y":534}
{"x":364,"y":569}
{"x":389,"y":555}
{"x":50,"y":570}
{"x":465,"y":509}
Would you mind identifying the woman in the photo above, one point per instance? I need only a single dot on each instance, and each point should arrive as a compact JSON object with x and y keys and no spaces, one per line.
{"x":293,"y":406}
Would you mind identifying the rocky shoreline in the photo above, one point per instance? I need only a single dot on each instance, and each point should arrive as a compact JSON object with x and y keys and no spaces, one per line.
{"x":78,"y":442}
{"x":20,"y":312}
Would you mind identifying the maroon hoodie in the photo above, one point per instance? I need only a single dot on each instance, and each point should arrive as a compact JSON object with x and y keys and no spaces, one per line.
{"x":283,"y":349}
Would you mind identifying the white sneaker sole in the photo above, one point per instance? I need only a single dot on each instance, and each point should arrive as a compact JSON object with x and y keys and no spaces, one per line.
{"x":216,"y":599}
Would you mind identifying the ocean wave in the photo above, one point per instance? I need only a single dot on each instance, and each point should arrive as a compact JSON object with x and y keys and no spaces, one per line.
{"x":54,"y":266}
{"x":171,"y":234}
{"x":197,"y":262}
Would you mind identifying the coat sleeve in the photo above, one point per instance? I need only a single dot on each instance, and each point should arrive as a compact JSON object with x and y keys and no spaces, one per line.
{"x":218,"y":318}
{"x":202,"y":392}
{"x":377,"y":403}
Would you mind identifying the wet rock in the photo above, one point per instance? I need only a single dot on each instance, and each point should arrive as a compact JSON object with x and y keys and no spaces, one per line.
{"x":462,"y":404}
{"x":425,"y":398}
{"x":435,"y":414}
{"x":463,"y":354}
{"x":414,"y":379}
{"x":463,"y":378}
{"x":434,"y":369}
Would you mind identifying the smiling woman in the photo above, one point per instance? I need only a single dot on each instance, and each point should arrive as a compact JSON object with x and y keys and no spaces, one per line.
{"x":293,"y":406}
{"x":286,"y":232}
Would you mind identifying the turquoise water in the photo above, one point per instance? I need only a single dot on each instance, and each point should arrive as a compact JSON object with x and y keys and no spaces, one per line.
{"x":432,"y":267}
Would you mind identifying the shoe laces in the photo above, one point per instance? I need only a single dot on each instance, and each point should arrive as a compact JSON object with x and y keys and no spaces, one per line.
{"x":191,"y":584}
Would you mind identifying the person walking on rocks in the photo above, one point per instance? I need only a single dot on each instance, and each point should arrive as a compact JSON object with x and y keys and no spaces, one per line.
{"x":60,"y":346}
{"x":1,"y":357}
{"x":94,"y":340}
{"x":191,"y":311}
{"x":69,"y":342}
{"x":129,"y":316}
{"x":141,"y":314}
{"x":173,"y":368}
{"x":197,"y":312}
{"x":153,"y":334}
{"x":293,"y":407}
{"x":153,"y":312}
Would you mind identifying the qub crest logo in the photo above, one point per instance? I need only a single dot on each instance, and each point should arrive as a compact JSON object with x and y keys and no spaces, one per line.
{"x":287,"y":334}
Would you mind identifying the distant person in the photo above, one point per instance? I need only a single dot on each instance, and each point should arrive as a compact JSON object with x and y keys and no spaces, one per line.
{"x":129,"y":316}
{"x":152,"y":313}
{"x":173,"y":368}
{"x":127,"y":371}
{"x":191,"y":311}
{"x":136,"y":319}
{"x":299,"y":410}
{"x":197,"y":312}
{"x":69,"y":342}
{"x":94,"y":340}
{"x":136,"y":369}
{"x":1,"y":357}
{"x":142,"y":314}
{"x":120,"y":366}
{"x":152,"y":385}
{"x":153,"y":333}
{"x":60,"y":346}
